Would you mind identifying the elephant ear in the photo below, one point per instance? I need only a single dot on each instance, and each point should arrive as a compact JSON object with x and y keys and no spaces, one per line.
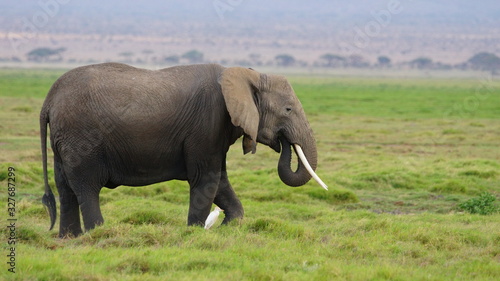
{"x":237,"y":84}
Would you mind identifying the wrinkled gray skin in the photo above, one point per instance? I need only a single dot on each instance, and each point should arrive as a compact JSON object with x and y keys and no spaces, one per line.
{"x":112,"y":124}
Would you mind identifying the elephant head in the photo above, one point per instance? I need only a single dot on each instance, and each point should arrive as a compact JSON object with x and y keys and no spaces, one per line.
{"x":269,"y":112}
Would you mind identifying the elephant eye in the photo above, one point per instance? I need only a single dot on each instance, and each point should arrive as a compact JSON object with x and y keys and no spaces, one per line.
{"x":288,"y":109}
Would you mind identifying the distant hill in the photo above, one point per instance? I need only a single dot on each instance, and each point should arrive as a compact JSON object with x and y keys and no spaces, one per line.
{"x":450,"y":31}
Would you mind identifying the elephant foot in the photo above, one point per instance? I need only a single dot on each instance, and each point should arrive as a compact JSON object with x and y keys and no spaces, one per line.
{"x":233,"y":216}
{"x":233,"y":221}
{"x":70,"y":233}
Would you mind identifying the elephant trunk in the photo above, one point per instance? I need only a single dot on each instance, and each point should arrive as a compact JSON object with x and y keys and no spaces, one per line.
{"x":306,"y":165}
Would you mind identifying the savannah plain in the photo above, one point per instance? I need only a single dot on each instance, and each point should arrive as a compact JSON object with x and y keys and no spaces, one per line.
{"x":410,"y":155}
{"x":400,"y":156}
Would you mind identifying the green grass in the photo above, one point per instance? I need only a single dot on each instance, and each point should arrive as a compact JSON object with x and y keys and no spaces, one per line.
{"x":400,"y":157}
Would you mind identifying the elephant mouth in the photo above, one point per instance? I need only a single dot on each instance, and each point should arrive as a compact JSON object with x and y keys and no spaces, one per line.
{"x":280,"y":138}
{"x":270,"y":138}
{"x":276,"y":145}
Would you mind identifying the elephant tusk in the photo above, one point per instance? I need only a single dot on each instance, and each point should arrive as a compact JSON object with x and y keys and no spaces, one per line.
{"x":303,"y":158}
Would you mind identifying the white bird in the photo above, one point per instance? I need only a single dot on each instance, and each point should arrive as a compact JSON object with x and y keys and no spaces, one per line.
{"x":212,"y":217}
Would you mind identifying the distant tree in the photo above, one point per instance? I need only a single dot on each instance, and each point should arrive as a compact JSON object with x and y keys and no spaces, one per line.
{"x":127,"y":56}
{"x":357,"y":61}
{"x":256,"y":59}
{"x":171,"y":59}
{"x":331,"y":60}
{"x":302,"y":63}
{"x":193,"y":56}
{"x":285,"y":60}
{"x":45,"y":54}
{"x":485,"y":61}
{"x":12,"y":59}
{"x":383,"y":61}
{"x":421,"y":63}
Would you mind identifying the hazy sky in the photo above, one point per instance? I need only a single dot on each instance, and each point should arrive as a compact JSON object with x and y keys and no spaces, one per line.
{"x":251,"y":11}
{"x":290,"y":24}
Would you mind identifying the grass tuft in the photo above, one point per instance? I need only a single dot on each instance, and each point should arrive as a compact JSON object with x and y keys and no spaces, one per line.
{"x":145,"y":217}
{"x":480,"y":174}
{"x":276,"y":228}
{"x":452,"y":186}
{"x":333,"y":196}
{"x":25,"y":109}
{"x":131,"y":265}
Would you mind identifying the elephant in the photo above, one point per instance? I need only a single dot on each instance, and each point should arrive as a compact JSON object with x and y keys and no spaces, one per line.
{"x":112,"y":124}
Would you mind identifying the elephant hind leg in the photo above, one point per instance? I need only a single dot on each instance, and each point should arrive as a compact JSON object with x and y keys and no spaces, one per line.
{"x":69,"y":225}
{"x":87,"y":188}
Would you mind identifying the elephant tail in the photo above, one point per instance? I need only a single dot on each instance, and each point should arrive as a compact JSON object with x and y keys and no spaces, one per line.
{"x":48,"y":198}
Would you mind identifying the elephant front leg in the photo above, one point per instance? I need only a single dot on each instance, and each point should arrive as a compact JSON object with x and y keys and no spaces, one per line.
{"x":203,"y":190}
{"x":227,"y":200}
